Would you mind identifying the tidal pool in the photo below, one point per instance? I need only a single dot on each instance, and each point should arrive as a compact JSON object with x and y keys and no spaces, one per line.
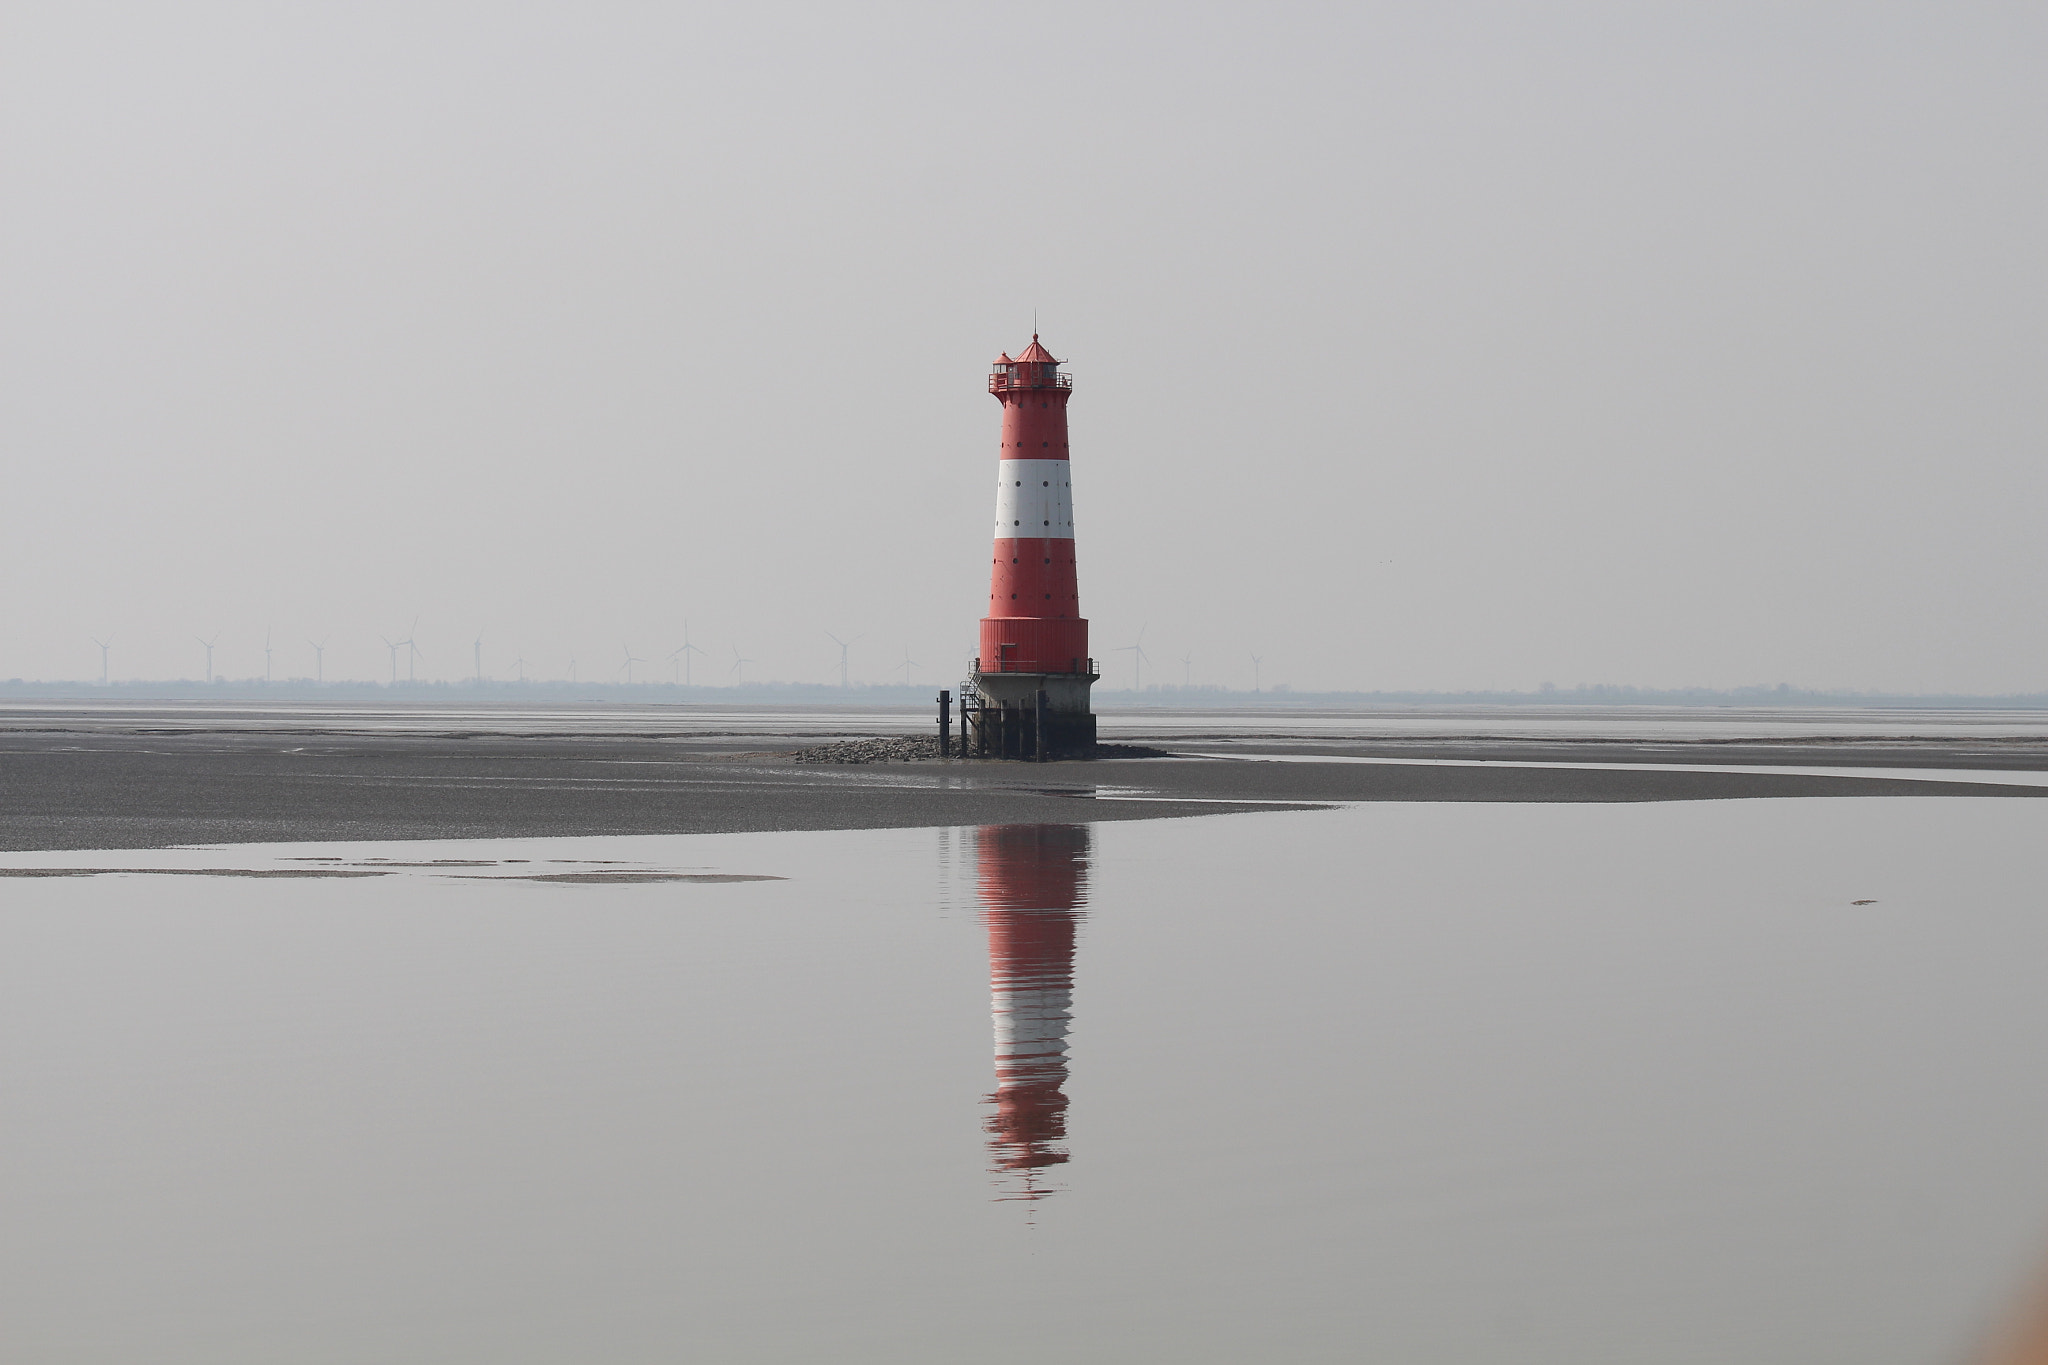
{"x":1677,"y":1082}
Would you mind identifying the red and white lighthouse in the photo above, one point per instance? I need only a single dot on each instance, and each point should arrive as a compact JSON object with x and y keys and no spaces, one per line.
{"x":1032,"y":674}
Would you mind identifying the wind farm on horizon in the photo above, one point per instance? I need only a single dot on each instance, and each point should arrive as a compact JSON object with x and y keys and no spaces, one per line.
{"x":835,"y":680}
{"x":219,"y":657}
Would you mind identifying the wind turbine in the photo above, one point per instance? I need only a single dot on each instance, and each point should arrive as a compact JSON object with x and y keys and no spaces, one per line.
{"x":844,"y":645}
{"x":103,"y":644}
{"x":392,"y":645}
{"x":479,"y":660}
{"x":908,"y":664}
{"x":519,"y":663}
{"x":209,"y":653}
{"x":739,"y":666}
{"x":1138,"y":657}
{"x":681,"y":658}
{"x":412,"y":652}
{"x":319,"y":660}
{"x":266,"y":656}
{"x":1256,"y":661}
{"x":1187,"y":669}
{"x":630,"y":661}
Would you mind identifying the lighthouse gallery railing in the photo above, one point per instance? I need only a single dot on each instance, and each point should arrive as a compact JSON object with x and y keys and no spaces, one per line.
{"x":1082,"y":668}
{"x":1004,"y":383}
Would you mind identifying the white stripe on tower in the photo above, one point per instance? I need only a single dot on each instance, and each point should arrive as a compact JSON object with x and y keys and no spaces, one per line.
{"x":1032,"y":1021}
{"x":1034,"y":498}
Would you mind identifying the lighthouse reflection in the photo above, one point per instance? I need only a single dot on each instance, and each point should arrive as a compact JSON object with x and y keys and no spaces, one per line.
{"x":1033,"y":882}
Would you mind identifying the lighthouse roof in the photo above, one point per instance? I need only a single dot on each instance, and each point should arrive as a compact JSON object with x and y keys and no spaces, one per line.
{"x":1036,"y":353}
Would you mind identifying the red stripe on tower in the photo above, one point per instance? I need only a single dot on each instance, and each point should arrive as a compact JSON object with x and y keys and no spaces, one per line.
{"x":1033,"y":639}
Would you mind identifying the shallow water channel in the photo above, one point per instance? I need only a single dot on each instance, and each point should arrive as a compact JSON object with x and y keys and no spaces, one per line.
{"x":1686,"y":1081}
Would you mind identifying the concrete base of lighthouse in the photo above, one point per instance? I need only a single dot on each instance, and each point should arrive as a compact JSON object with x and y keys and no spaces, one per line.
{"x":1002,"y":719}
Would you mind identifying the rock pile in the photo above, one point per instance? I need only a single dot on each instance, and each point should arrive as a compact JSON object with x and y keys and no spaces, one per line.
{"x":894,"y":749}
{"x":925,"y":749}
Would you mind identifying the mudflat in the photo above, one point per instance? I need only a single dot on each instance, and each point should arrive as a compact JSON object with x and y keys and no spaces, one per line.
{"x":118,"y":781}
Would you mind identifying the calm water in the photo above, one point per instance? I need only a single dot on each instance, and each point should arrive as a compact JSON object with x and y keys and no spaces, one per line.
{"x":1407,"y":1083}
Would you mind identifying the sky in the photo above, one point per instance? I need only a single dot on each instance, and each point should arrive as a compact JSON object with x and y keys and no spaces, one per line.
{"x":1449,"y":345}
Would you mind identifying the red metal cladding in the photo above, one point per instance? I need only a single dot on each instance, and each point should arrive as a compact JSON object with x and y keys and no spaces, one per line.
{"x":1034,"y":882}
{"x":1034,"y":622}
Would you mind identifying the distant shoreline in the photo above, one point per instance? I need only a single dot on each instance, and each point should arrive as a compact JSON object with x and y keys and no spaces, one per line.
{"x":508,"y":692}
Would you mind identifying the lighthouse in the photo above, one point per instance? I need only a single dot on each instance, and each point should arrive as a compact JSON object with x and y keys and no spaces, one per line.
{"x":1033,"y":885}
{"x":1027,"y":696}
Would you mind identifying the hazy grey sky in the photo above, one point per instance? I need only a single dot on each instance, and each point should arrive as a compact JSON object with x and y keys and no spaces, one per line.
{"x":1434,"y":345}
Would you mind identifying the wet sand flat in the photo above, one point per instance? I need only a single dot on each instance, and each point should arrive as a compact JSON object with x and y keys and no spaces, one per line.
{"x":111,"y":780}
